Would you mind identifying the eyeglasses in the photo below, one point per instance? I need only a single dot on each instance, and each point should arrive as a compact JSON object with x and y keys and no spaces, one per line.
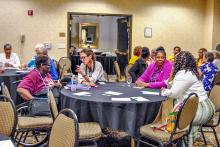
{"x":83,"y":58}
{"x":46,"y":64}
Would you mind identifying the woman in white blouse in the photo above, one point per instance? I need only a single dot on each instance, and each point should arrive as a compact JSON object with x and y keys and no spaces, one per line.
{"x":90,"y":71}
{"x":9,"y":59}
{"x":185,"y":81}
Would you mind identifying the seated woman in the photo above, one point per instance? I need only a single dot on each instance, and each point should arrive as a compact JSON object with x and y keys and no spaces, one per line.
{"x":140,"y":65}
{"x":186,"y":81}
{"x":200,"y":60}
{"x":42,"y":51}
{"x":156,"y":73}
{"x":176,"y":50}
{"x":208,"y":71}
{"x":38,"y":80}
{"x":217,"y":59}
{"x":90,"y":71}
{"x":9,"y":59}
{"x":136,"y":55}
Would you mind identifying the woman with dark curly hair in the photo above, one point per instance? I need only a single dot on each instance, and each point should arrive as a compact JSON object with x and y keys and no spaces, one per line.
{"x":186,"y":80}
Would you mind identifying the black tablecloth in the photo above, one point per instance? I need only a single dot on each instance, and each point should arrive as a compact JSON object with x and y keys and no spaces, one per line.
{"x":8,"y":77}
{"x":106,"y":61}
{"x":126,"y":116}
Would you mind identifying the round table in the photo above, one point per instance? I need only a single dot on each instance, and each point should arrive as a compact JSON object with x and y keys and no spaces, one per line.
{"x":126,"y":116}
{"x":8,"y":77}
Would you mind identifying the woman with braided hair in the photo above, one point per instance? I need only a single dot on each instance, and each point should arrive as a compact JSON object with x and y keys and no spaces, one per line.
{"x":186,"y":80}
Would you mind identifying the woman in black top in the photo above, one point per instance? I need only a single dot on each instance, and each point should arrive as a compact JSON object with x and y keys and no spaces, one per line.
{"x":140,"y":65}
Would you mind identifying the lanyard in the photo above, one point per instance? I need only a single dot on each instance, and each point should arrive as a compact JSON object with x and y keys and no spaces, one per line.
{"x":90,"y":71}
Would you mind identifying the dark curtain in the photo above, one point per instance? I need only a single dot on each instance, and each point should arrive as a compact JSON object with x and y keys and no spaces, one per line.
{"x":122,"y":43}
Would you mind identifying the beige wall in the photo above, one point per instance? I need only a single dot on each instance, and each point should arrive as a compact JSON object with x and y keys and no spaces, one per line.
{"x":173,"y":22}
{"x":216,"y":24}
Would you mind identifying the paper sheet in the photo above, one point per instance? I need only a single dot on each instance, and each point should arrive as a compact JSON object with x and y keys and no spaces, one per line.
{"x":150,"y":92}
{"x":113,"y":93}
{"x":82,"y":93}
{"x":121,"y":99}
{"x":6,"y":143}
{"x":140,"y":99}
{"x":101,"y":83}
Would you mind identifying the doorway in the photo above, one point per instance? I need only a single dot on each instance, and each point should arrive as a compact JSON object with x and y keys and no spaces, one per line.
{"x":113,"y":31}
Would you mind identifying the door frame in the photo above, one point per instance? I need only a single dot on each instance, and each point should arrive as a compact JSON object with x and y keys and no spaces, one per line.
{"x":130,"y":16}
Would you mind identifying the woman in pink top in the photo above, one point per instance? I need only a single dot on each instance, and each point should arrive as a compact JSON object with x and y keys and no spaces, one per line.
{"x":157,"y":73}
{"x":38,"y":80}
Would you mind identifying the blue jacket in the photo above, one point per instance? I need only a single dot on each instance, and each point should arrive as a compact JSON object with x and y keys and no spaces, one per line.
{"x":53,"y":70}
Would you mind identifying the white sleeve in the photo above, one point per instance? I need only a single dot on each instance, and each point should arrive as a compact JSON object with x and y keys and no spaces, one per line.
{"x":181,"y":83}
{"x":98,"y":72}
{"x":16,"y":61}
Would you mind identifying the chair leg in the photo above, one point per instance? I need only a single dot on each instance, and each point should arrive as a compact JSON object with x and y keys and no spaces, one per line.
{"x":138,"y":141}
{"x":216,"y":137}
{"x":184,"y":141}
{"x":203,"y":136}
{"x":25,"y":136}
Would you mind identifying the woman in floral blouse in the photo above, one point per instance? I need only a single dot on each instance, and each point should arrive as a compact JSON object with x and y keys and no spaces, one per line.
{"x":208,"y":70}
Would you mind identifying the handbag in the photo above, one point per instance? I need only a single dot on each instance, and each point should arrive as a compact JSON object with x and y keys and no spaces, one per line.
{"x":39,"y":107}
{"x":56,"y":92}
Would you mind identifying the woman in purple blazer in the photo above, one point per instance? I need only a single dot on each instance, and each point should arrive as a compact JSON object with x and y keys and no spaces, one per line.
{"x":157,"y":73}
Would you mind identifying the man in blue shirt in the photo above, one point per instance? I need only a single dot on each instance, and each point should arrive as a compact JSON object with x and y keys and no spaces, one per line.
{"x":42,"y":51}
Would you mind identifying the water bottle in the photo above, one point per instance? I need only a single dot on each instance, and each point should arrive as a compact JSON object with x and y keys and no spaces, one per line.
{"x":73,"y":83}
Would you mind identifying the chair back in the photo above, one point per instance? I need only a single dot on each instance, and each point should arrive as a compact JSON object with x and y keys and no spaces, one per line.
{"x":53,"y":105}
{"x":214,"y":96}
{"x":188,"y":111}
{"x":106,"y":76}
{"x":8,"y":116}
{"x":127,"y":67}
{"x":217,"y":79}
{"x":64,"y":66}
{"x":117,"y":70}
{"x":65,"y":130}
{"x":5,"y":91}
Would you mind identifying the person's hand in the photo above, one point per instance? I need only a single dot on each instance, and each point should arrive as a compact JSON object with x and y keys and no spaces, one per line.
{"x":8,"y":65}
{"x":89,"y":84}
{"x":57,"y":83}
{"x":140,"y":83}
{"x":78,"y":70}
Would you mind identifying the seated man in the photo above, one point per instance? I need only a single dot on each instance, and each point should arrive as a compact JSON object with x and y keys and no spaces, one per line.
{"x":8,"y":58}
{"x":38,"y":80}
{"x":40,"y":51}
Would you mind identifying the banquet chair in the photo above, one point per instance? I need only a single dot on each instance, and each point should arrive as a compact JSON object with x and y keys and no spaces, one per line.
{"x":64,"y":67}
{"x":31,"y":130}
{"x":215,"y":98}
{"x":8,"y":117}
{"x":67,"y":123}
{"x":119,"y":77}
{"x":184,"y":118}
{"x":88,"y":131}
{"x":127,"y":67}
{"x":106,"y":76}
{"x":5,"y":90}
{"x":217,"y":79}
